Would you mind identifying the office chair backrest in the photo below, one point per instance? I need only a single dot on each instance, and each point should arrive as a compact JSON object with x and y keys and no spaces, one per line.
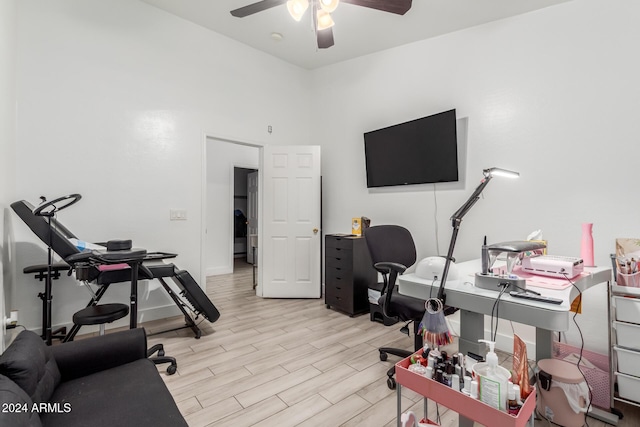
{"x":391,"y":243}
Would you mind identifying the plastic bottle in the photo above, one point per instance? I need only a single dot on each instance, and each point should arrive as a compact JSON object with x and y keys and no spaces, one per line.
{"x":455,"y":382}
{"x":492,"y":357}
{"x":492,"y":379}
{"x":516,"y":389}
{"x":79,"y":244}
{"x":586,"y":244}
{"x":474,"y":390}
{"x":512,"y":404}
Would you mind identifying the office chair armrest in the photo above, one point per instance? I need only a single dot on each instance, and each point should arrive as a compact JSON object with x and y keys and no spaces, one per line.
{"x":389,"y":267}
{"x":77,"y":359}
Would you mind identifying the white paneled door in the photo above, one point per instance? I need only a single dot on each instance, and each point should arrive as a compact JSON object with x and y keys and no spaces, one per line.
{"x":290,"y":235}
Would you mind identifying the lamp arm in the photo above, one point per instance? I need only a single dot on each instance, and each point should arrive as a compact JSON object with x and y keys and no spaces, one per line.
{"x":456,"y":219}
{"x":475,"y":196}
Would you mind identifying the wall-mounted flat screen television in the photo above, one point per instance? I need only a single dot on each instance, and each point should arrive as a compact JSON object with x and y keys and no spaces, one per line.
{"x":420,"y":151}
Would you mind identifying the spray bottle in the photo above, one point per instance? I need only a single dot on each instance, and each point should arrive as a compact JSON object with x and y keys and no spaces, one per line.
{"x":492,"y":379}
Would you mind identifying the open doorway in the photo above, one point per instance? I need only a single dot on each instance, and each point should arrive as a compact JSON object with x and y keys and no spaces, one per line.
{"x":245,"y":213}
{"x":223,"y":158}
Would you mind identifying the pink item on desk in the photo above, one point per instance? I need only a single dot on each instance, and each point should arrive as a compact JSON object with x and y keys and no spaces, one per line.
{"x":546,"y":282}
{"x":586,"y":245}
{"x":111,"y":267}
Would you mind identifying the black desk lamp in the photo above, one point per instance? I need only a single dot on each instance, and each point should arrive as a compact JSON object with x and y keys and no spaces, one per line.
{"x":456,"y":218}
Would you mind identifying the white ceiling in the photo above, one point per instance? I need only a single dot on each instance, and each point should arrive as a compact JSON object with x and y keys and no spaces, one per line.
{"x":358,"y":30}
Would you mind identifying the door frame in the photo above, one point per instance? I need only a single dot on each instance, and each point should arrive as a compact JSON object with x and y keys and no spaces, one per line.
{"x":203,"y":199}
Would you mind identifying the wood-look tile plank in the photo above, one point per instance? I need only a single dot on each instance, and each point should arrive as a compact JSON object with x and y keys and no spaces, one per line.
{"x":346,"y":356}
{"x":350,"y":385}
{"x":314,"y":357}
{"x":378,"y":414}
{"x":338,"y":413}
{"x":275,"y":386}
{"x":248,"y":383}
{"x":209,"y":415}
{"x":296,"y":414}
{"x":308,"y":388}
{"x":200,"y":387}
{"x":247,"y":417}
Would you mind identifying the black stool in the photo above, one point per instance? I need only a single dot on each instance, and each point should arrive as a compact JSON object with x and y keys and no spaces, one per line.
{"x":100,"y":314}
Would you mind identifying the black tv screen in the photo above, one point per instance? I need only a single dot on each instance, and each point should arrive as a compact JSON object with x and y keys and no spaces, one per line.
{"x":420,"y":151}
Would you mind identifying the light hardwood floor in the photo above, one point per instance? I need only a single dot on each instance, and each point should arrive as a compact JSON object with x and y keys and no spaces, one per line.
{"x":290,"y":362}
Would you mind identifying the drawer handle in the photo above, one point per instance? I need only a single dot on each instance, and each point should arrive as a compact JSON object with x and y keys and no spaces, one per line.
{"x":338,"y":278}
{"x":338,"y":287}
{"x":338,"y":259}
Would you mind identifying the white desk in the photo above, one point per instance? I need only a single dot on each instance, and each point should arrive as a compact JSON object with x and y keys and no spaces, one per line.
{"x":474,"y":303}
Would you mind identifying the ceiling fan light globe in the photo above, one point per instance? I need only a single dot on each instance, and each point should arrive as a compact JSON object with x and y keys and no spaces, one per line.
{"x":297,"y":8}
{"x":329,"y":5}
{"x":324,"y":20}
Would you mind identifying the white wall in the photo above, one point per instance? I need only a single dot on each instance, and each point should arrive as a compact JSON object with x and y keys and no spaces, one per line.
{"x":7,"y":148}
{"x":222,"y":156}
{"x":552,"y":94}
{"x":115,"y":99}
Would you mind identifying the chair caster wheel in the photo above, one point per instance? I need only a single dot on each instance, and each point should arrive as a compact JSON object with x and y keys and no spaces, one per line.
{"x":383,"y":357}
{"x":391,"y":383}
{"x":160,"y":353}
{"x":171,"y":370}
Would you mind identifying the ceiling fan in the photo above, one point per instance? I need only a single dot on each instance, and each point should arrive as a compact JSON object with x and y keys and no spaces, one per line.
{"x":321,"y":12}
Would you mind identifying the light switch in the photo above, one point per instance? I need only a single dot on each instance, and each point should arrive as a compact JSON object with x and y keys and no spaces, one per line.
{"x":177,"y":215}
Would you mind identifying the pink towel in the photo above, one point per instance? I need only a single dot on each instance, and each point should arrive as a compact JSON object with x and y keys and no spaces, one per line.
{"x":110,"y":267}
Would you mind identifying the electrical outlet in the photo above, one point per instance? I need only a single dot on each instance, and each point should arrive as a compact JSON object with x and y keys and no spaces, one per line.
{"x":11,"y":321}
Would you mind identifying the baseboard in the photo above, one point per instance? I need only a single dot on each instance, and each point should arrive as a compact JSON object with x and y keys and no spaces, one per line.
{"x":218,"y":271}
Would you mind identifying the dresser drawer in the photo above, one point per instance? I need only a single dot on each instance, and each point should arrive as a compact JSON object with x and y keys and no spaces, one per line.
{"x":337,"y":275}
{"x":338,"y":253}
{"x":341,"y":301}
{"x":341,"y":242}
{"x":342,"y":262}
{"x":627,"y":309}
{"x":341,"y":290}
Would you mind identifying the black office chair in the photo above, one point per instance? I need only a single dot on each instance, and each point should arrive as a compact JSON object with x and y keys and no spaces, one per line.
{"x":392,"y":251}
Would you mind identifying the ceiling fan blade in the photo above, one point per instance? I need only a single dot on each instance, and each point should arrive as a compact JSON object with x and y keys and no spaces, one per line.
{"x":256,"y":7}
{"x":399,"y":7}
{"x":325,"y":38}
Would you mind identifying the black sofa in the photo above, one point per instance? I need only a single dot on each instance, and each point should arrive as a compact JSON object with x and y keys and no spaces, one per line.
{"x":101,"y":381}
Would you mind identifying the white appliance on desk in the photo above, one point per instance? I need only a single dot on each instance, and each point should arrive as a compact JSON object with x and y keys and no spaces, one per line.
{"x":553,"y":266}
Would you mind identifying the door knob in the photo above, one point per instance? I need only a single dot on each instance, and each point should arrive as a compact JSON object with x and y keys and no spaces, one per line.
{"x":315,"y":231}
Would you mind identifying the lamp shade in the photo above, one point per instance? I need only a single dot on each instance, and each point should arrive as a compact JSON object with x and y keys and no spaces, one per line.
{"x":329,"y":5}
{"x":297,"y":8}
{"x":324,"y":20}
{"x":500,"y":172}
{"x":431,"y":268}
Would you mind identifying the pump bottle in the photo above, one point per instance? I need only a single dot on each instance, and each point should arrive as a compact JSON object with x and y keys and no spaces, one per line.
{"x":492,"y":379}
